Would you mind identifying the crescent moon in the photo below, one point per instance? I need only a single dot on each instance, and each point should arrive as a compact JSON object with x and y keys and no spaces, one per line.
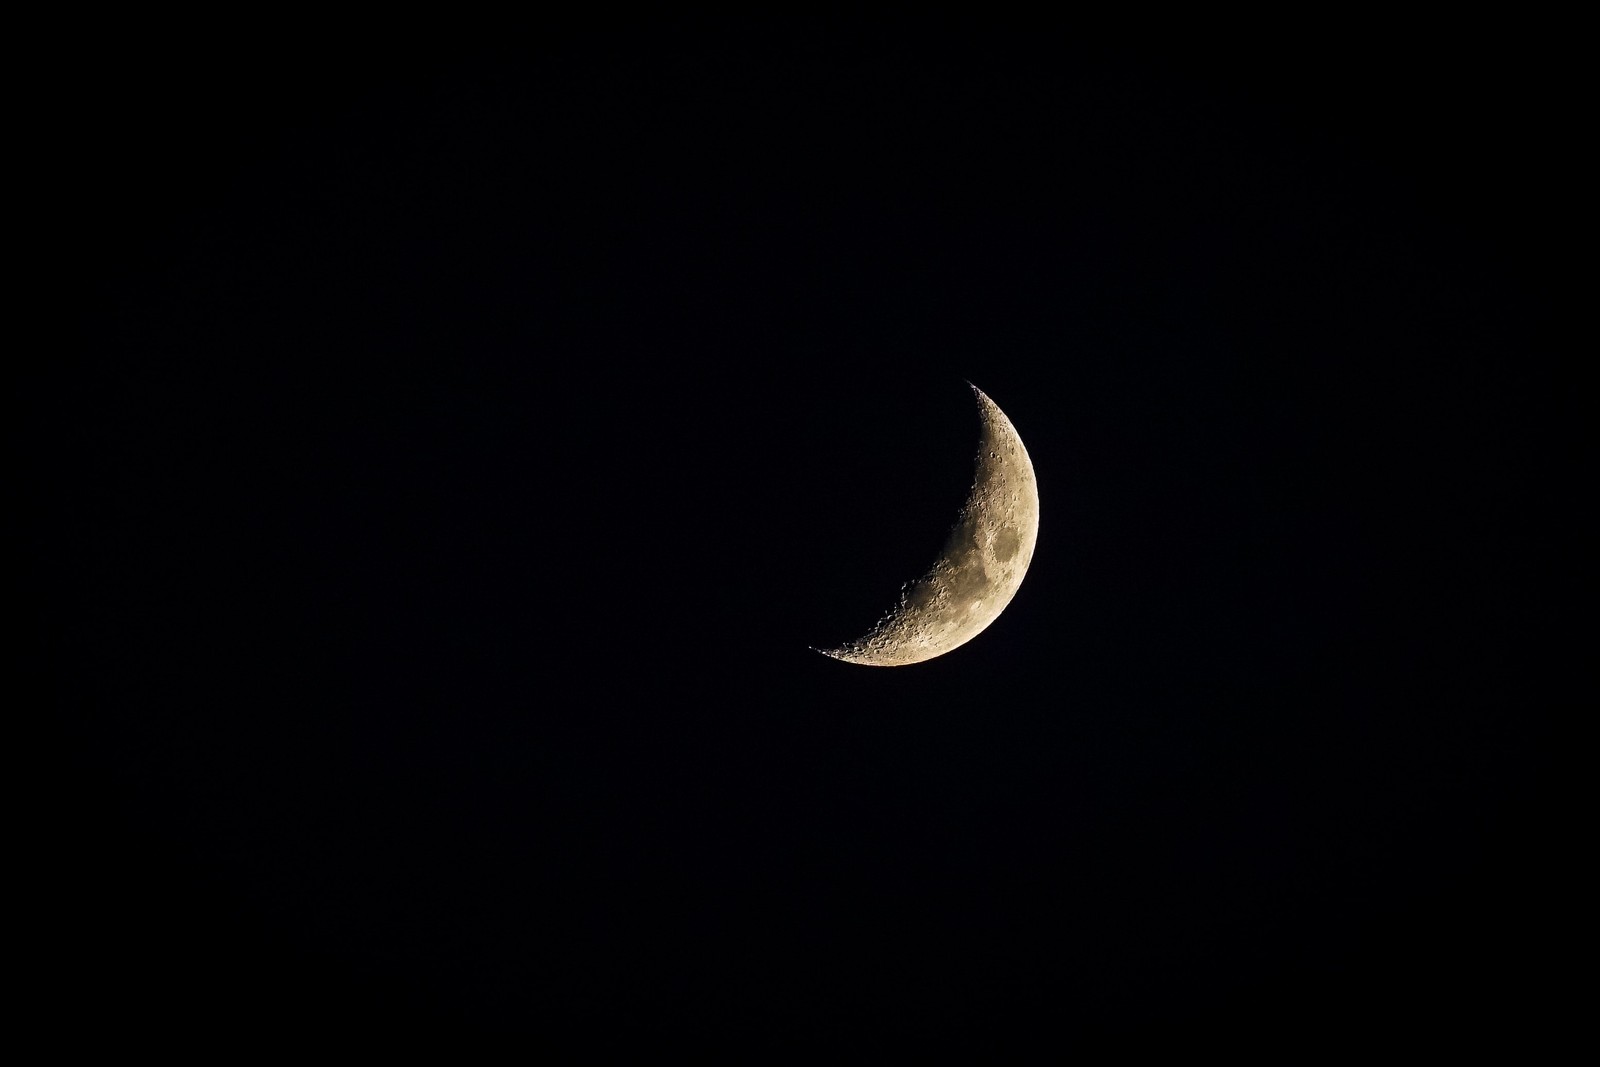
{"x":981,"y":566}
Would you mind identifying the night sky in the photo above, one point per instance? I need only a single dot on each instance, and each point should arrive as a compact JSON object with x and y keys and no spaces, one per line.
{"x":461,"y":444}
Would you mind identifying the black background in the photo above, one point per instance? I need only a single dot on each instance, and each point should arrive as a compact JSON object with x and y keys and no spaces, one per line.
{"x":462,"y":441}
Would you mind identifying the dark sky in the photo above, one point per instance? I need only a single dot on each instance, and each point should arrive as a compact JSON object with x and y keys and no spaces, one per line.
{"x":462,"y":445}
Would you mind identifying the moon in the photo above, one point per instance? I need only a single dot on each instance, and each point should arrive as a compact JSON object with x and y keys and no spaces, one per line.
{"x":982,"y":564}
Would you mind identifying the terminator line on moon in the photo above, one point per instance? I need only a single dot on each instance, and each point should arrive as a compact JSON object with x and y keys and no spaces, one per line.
{"x":981,"y":566}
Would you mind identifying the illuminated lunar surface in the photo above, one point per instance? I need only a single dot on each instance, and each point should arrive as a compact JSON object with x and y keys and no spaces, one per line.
{"x":981,"y":566}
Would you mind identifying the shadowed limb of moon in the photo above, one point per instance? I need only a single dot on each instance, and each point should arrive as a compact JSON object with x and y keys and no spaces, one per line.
{"x":981,"y":566}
